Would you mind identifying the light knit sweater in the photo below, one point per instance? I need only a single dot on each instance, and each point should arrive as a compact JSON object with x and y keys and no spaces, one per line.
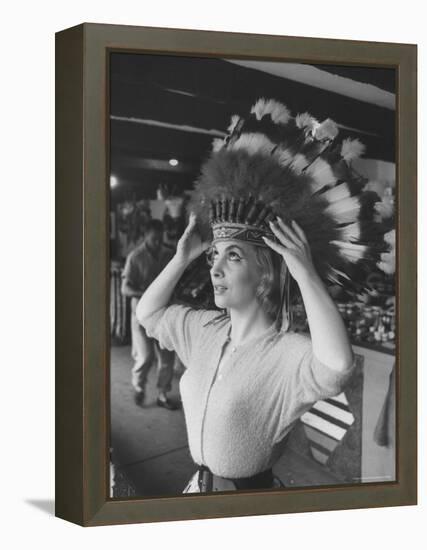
{"x":236,"y":422}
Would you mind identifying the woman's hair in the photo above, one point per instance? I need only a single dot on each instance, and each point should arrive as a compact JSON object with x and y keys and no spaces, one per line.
{"x":268,"y":292}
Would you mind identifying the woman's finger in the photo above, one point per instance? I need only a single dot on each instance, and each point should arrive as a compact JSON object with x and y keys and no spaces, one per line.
{"x":284,"y":239}
{"x":205,"y":245}
{"x":191,"y":225}
{"x":299,"y":232}
{"x":192,"y":219}
{"x":290,"y":233}
{"x":275,"y":246}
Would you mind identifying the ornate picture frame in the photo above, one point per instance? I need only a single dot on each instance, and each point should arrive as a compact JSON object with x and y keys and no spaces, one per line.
{"x":83,"y":284}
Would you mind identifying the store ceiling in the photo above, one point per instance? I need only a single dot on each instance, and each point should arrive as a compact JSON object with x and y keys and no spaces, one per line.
{"x":171,"y":107}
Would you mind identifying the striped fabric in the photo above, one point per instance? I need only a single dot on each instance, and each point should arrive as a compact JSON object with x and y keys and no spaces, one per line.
{"x":325,"y":425}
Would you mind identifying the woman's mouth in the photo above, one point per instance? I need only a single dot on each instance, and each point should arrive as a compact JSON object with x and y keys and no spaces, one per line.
{"x":219,"y":289}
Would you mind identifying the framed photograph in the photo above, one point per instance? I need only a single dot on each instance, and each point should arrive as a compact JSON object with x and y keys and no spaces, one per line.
{"x":236,"y":274}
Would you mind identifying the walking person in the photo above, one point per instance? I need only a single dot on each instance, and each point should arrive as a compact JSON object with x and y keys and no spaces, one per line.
{"x":142,"y":266}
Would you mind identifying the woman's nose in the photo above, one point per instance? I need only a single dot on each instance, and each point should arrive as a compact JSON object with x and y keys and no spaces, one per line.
{"x":217,"y":268}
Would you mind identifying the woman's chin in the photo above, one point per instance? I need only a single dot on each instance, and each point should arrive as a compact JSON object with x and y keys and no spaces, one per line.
{"x":220,"y":301}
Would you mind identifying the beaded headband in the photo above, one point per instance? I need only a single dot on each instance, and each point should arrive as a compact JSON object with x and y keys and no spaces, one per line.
{"x":242,"y":219}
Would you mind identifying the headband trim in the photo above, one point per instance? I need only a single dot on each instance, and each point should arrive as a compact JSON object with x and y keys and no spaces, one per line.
{"x":242,"y":232}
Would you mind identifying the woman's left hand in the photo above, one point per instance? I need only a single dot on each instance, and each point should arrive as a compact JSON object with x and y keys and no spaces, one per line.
{"x":293,"y":247}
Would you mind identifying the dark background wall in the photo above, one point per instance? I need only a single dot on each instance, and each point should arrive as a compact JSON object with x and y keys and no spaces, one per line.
{"x":203,"y":93}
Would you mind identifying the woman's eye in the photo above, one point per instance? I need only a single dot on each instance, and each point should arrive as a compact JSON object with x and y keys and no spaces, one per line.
{"x":211,"y":255}
{"x":234,"y":256}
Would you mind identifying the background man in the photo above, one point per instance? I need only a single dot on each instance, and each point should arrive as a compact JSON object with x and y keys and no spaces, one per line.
{"x":142,"y":266}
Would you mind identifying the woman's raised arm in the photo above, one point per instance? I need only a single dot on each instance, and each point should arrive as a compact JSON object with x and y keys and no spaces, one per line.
{"x":159,"y":293}
{"x":329,"y":336}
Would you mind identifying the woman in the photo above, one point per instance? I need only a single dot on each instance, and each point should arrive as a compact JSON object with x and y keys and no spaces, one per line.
{"x":249,"y":378}
{"x":246,"y":383}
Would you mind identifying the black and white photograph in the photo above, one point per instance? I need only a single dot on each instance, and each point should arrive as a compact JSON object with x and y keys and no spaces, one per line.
{"x":252,"y":219}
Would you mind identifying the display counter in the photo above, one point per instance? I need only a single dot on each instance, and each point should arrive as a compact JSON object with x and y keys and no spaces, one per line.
{"x":352,"y":436}
{"x":378,"y":414}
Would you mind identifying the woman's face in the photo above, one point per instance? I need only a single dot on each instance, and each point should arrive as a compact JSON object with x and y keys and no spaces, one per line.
{"x":235,"y":274}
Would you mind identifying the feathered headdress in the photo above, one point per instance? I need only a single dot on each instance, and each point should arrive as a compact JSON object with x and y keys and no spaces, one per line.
{"x":272,"y":163}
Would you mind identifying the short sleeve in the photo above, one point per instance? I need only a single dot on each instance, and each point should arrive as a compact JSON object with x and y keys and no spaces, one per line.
{"x":308,"y":381}
{"x":178,"y":328}
{"x":316,"y":380}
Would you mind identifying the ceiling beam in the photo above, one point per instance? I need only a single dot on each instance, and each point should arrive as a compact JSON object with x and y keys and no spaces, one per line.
{"x":308,"y":74}
{"x":169,"y":125}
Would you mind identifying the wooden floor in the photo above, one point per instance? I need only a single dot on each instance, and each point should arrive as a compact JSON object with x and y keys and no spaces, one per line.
{"x":296,"y":470}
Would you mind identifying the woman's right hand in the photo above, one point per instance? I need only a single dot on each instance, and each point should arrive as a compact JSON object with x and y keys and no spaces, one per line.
{"x":190,"y":245}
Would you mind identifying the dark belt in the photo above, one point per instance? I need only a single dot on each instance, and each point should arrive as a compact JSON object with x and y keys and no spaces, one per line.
{"x":263,"y":480}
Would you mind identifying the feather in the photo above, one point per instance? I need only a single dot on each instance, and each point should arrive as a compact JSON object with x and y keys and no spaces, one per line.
{"x":336,"y":276}
{"x":387,"y":264}
{"x":234,"y":121}
{"x":390,"y":238}
{"x":344,"y":211}
{"x":337,"y":193}
{"x":375,"y":186}
{"x":333,"y":279}
{"x":326,"y":131}
{"x":352,"y":252}
{"x":279,"y":113}
{"x":350,"y":232}
{"x":385,"y":208}
{"x":284,"y":156}
{"x":253,"y":143}
{"x":319,"y":171}
{"x":388,"y":259}
{"x":306,"y":122}
{"x":217,"y":144}
{"x":352,"y":149}
{"x":340,"y":273}
{"x":322,"y":174}
{"x":299,"y":163}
